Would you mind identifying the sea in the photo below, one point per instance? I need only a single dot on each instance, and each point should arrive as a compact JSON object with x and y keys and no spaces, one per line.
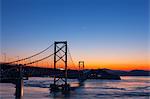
{"x":129,"y":87}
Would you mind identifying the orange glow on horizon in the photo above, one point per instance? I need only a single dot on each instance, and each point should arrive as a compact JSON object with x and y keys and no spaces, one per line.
{"x":126,"y":67}
{"x":114,"y":63}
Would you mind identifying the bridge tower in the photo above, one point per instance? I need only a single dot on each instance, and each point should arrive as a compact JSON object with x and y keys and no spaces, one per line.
{"x":60,"y":47}
{"x":81,"y":72}
{"x":81,"y":65}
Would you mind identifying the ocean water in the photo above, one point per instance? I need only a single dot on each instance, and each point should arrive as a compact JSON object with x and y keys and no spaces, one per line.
{"x":127,"y":88}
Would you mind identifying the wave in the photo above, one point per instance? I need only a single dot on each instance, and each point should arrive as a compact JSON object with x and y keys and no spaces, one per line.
{"x":143,"y":88}
{"x":125,"y":94}
{"x":105,"y":88}
{"x":41,"y":84}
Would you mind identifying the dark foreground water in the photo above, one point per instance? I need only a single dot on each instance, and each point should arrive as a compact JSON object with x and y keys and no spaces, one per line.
{"x":127,"y":88}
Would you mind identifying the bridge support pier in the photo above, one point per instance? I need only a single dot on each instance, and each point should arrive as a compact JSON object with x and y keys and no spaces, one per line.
{"x":19,"y":88}
{"x":19,"y":84}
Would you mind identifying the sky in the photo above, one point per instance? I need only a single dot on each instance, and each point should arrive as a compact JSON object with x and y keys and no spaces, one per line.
{"x":104,"y":33}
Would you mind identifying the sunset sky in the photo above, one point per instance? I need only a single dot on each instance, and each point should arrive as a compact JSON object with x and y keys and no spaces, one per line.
{"x":104,"y":33}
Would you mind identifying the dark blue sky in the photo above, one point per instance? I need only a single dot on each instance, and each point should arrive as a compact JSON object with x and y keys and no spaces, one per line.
{"x":103,"y":30}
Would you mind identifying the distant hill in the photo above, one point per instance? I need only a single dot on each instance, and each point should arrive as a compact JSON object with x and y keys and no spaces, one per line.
{"x":129,"y":73}
{"x":139,"y":73}
{"x":103,"y":74}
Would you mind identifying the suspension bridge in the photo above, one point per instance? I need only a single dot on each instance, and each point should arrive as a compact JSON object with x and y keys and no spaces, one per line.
{"x":54,"y":61}
{"x":60,"y":64}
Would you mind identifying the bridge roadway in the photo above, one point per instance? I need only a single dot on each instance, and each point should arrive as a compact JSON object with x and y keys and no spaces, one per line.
{"x":8,"y":73}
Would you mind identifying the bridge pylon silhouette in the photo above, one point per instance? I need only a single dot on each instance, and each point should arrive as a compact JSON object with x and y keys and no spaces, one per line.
{"x":82,"y":76}
{"x":81,"y":65}
{"x":60,"y":47}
